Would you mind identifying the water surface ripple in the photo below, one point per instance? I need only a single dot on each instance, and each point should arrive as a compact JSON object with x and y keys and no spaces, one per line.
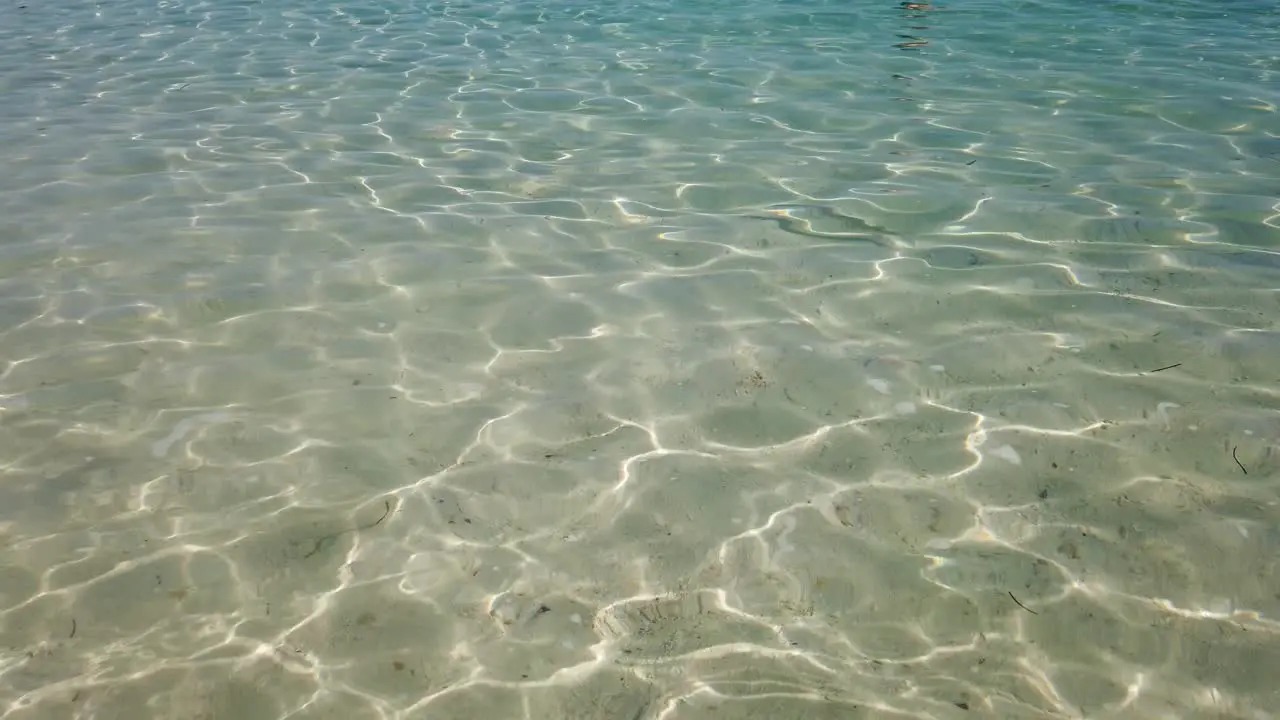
{"x":643,"y":360}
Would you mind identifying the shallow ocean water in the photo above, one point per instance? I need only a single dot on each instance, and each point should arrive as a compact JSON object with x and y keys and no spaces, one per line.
{"x":639,"y":360}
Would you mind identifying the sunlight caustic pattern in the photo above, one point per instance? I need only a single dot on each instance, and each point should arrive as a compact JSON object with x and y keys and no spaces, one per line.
{"x":551,"y":360}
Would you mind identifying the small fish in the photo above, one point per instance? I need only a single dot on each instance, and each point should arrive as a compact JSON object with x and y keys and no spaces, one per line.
{"x":822,"y":222}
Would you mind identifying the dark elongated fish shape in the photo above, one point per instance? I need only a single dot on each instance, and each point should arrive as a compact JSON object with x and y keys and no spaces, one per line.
{"x":820,"y":221}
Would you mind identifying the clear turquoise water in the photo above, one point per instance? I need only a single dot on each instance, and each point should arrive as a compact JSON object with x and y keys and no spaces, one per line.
{"x":641,"y":360}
